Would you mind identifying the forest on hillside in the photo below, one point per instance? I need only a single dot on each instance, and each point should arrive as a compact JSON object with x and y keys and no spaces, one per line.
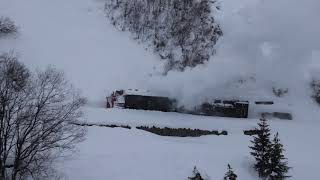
{"x":183,"y":33}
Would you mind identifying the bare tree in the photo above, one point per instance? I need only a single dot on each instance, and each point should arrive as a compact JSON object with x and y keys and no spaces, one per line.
{"x":37,"y":115}
{"x":7,"y":26}
{"x":182,"y":32}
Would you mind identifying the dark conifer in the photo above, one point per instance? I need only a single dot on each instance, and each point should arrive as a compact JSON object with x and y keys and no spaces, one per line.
{"x":278,"y":163}
{"x":230,"y":175}
{"x":196,"y":175}
{"x":261,"y":148}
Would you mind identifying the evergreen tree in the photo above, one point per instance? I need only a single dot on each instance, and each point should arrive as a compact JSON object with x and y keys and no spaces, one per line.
{"x":230,"y":175}
{"x":196,"y":175}
{"x":261,"y":148}
{"x":315,"y":85}
{"x":278,"y":164}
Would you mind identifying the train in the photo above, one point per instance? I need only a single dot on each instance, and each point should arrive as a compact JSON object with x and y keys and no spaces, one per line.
{"x":144,"y":100}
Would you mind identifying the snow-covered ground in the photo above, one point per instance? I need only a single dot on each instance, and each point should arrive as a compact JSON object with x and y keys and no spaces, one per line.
{"x":134,"y":154}
{"x":277,"y":42}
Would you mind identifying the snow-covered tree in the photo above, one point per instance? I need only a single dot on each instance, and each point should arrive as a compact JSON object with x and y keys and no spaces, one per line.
{"x":230,"y":175}
{"x":261,"y":148}
{"x":181,"y":32}
{"x":38,"y":116}
{"x":278,"y":163}
{"x":7,"y":26}
{"x":315,"y":85}
{"x":195,"y":175}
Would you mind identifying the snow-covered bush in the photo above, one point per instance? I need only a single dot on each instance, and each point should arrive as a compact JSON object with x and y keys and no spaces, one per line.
{"x":230,"y":175}
{"x":181,"y":32}
{"x":280,"y":92}
{"x":315,"y":85}
{"x":7,"y":26}
{"x":195,"y":175}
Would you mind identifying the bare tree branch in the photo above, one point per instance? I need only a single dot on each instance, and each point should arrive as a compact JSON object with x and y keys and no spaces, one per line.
{"x":37,"y":115}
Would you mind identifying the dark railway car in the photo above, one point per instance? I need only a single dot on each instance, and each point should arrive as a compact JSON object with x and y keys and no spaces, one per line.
{"x":236,"y":109}
{"x":155,"y":103}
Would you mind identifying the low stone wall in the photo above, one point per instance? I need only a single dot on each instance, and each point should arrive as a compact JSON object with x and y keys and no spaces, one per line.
{"x":180,"y":132}
{"x":166,"y":131}
{"x":251,"y":132}
{"x":103,"y":125}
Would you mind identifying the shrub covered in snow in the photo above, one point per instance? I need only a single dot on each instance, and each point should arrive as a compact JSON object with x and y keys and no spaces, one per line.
{"x":280,"y":92}
{"x":315,"y":85}
{"x":7,"y":26}
{"x":196,"y":175}
{"x":230,"y":175}
{"x":182,"y":32}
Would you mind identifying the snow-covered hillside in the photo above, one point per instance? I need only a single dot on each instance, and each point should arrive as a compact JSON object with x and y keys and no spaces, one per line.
{"x":265,"y":44}
{"x":75,"y":36}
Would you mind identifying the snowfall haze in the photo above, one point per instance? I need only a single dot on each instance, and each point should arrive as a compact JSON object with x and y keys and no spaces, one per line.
{"x":267,"y":44}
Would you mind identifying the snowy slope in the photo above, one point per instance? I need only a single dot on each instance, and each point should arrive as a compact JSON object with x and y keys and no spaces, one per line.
{"x":75,"y":36}
{"x":261,"y":41}
{"x":277,"y":42}
{"x":121,"y":154}
{"x":134,"y":154}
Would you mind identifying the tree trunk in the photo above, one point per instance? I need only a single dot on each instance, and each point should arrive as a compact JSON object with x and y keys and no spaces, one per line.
{"x":2,"y":171}
{"x":14,"y":174}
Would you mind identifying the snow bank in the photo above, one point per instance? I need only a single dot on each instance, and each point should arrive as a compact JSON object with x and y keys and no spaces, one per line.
{"x":120,"y":154}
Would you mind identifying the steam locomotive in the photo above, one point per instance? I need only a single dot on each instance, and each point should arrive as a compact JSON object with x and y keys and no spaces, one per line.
{"x":135,"y":99}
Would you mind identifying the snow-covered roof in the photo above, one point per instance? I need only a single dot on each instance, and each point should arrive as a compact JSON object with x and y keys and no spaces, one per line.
{"x":139,"y":92}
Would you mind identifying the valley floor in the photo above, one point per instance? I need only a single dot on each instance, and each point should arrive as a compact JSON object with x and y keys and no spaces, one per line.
{"x":75,"y":36}
{"x":119,"y":154}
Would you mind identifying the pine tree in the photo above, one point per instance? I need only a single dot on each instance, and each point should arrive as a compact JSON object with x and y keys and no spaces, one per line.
{"x":230,"y":175}
{"x":261,"y":148}
{"x":196,"y":175}
{"x":315,"y":85}
{"x":278,"y":164}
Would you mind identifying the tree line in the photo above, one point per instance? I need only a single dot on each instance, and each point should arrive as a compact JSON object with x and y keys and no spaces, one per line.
{"x":181,"y":32}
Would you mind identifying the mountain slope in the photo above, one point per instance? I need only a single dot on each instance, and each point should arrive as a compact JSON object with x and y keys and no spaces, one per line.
{"x":75,"y":36}
{"x":265,"y":44}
